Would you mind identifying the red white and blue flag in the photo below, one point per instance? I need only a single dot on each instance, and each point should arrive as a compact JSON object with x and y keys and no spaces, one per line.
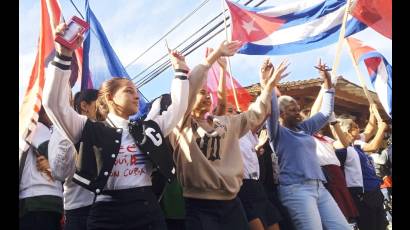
{"x":290,"y":28}
{"x":100,"y":62}
{"x":379,"y":69}
{"x":51,"y":16}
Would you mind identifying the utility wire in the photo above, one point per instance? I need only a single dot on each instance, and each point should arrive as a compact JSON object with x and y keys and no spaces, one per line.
{"x":165,"y":65}
{"x":180,"y":44}
{"x":172,"y":29}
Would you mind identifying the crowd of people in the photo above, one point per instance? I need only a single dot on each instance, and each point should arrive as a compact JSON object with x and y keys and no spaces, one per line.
{"x":186,"y":166}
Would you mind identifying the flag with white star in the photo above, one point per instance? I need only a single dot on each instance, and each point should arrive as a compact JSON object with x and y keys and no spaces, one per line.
{"x":290,"y":28}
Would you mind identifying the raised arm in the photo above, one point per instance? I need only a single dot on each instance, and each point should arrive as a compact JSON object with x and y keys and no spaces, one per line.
{"x":180,"y":85}
{"x":198,"y":76}
{"x":221,"y":107}
{"x":269,"y":78}
{"x":272,"y":124}
{"x":318,"y":120}
{"x":342,"y":140}
{"x":318,"y":102}
{"x":56,"y":100}
{"x":375,"y":143}
{"x":370,"y":129}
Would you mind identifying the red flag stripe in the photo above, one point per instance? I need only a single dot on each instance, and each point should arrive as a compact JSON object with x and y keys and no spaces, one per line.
{"x":376,"y":14}
{"x":50,"y":18}
{"x":358,"y":48}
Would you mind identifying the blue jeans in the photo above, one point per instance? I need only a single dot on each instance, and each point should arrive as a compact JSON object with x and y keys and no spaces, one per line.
{"x":311,"y":206}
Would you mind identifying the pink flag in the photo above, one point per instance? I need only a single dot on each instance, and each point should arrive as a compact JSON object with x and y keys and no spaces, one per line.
{"x":243,"y":96}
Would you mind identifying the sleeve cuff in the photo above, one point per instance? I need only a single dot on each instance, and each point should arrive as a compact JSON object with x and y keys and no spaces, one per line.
{"x":181,"y":74}
{"x":181,"y":77}
{"x":63,"y":57}
{"x":62,"y":62}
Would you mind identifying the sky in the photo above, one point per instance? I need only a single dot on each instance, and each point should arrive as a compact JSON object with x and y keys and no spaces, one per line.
{"x":133,"y":26}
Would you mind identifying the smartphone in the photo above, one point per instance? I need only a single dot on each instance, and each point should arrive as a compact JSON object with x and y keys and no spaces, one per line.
{"x":75,"y":26}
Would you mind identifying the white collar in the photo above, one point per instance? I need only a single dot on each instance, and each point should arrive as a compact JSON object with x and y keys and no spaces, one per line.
{"x":117,"y":121}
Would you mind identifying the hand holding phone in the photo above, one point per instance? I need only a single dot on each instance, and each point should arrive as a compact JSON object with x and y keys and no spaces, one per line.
{"x":75,"y":27}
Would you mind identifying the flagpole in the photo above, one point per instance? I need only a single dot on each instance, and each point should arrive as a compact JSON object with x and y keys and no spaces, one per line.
{"x":361,"y":79}
{"x":340,"y":43}
{"x":229,"y":62}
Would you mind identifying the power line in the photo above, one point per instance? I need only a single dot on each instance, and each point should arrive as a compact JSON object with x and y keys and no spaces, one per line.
{"x":147,"y":78}
{"x":182,"y":51}
{"x":173,"y":28}
{"x":167,"y":64}
{"x":180,"y":44}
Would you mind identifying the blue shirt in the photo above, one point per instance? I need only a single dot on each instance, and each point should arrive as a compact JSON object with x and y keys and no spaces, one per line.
{"x":370,"y":180}
{"x":296,"y":150}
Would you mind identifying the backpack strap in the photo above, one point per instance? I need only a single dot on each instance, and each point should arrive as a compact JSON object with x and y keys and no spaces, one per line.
{"x":341,"y":155}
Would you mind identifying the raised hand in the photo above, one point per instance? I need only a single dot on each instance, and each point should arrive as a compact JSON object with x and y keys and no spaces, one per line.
{"x":227,"y":49}
{"x":265,"y":72}
{"x":374,"y":112}
{"x":324,"y":73}
{"x":373,"y":108}
{"x":60,"y":30}
{"x":222,"y":61}
{"x":382,"y":125}
{"x":177,"y":60}
{"x":269,"y":76}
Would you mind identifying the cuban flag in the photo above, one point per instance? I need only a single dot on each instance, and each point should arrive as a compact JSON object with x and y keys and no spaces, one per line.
{"x":379,"y":69}
{"x":100,"y":62}
{"x":290,"y":28}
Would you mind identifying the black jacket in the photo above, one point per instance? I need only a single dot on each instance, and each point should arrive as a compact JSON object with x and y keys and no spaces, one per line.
{"x":99,"y":146}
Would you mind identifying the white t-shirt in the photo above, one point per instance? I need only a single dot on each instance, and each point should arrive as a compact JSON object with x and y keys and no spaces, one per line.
{"x":353,"y":169}
{"x":33,"y":182}
{"x":325,"y":151}
{"x":250,"y":160}
{"x":132,"y":167}
{"x":76,"y":196}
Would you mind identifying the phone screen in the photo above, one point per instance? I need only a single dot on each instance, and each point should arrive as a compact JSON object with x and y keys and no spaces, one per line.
{"x":73,"y":30}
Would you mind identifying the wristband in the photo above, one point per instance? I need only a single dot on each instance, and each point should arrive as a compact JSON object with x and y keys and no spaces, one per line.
{"x":181,"y":74}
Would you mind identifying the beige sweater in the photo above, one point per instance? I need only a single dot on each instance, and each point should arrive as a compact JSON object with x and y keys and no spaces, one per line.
{"x":216,"y":170}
